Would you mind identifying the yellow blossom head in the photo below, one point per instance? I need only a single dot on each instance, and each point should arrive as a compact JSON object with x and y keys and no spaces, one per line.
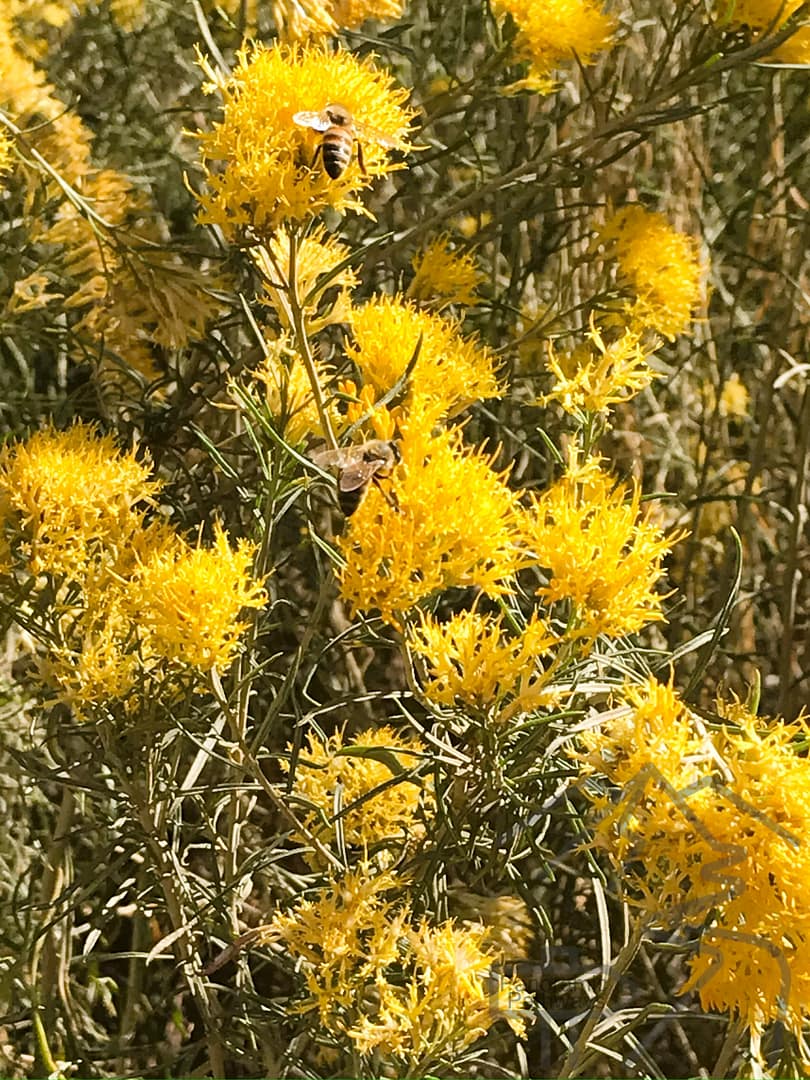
{"x":445,"y":519}
{"x":266,"y":175}
{"x":444,"y":277}
{"x":288,"y":391}
{"x":471,"y":659}
{"x":598,"y":374}
{"x":360,"y":767}
{"x":769,"y":16}
{"x":601,"y":558}
{"x":190,"y":600}
{"x":300,"y":19}
{"x":658,"y":265}
{"x":554,"y":33}
{"x":69,"y":495}
{"x":450,"y":371}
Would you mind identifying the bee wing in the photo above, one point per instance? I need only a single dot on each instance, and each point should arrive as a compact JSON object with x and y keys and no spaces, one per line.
{"x":317,"y":120}
{"x":357,"y":475}
{"x":372,"y":134}
{"x":327,"y":459}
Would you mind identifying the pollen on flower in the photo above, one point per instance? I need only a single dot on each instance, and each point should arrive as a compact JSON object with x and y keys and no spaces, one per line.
{"x":597,"y":374}
{"x":450,"y":372}
{"x":443,"y":276}
{"x":556,"y":33}
{"x":445,"y":519}
{"x":659,"y":266}
{"x":361,"y":766}
{"x":189,"y":601}
{"x":258,"y":161}
{"x":600,"y":557}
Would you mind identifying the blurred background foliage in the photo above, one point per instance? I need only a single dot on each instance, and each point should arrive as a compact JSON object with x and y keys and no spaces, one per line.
{"x":684,"y":114}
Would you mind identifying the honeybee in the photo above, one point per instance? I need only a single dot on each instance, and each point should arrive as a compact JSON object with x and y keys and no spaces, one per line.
{"x":356,"y":467}
{"x":340,"y":133}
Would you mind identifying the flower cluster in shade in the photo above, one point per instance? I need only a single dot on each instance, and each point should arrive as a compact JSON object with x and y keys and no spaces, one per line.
{"x":100,"y":254}
{"x":120,"y":600}
{"x":443,"y":276}
{"x":762,"y":17}
{"x":390,"y":982}
{"x":381,"y":797}
{"x":258,"y":162}
{"x":710,"y":832}
{"x":552,"y":34}
{"x":657,"y":266}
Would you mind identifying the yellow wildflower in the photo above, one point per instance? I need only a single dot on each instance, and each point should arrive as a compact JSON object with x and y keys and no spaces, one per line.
{"x":71,"y":493}
{"x":469,"y":224}
{"x":769,"y":16}
{"x":450,"y":372}
{"x":660,"y":267}
{"x":359,"y":767}
{"x":316,"y":255}
{"x":600,"y":557}
{"x":595,"y":375}
{"x":410,"y":991}
{"x":445,"y":519}
{"x":470,"y":659}
{"x":288,"y":391}
{"x":443,"y":276}
{"x":267,"y":177}
{"x":188,"y":601}
{"x":553,"y":33}
{"x":506,"y":919}
{"x":734,"y":398}
{"x":376,"y":421}
{"x":299,"y":19}
{"x":713,"y":824}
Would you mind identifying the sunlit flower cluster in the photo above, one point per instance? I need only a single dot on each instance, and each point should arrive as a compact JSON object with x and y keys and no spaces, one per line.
{"x":712,"y":825}
{"x":556,"y":33}
{"x":450,"y":371}
{"x":444,"y":519}
{"x":598,"y":374}
{"x":259,"y":162}
{"x":389,"y":982}
{"x":659,"y":266}
{"x":133,"y":599}
{"x":443,"y":276}
{"x":378,"y":801}
{"x":471,"y":659}
{"x":602,"y":558}
{"x":315,"y":270}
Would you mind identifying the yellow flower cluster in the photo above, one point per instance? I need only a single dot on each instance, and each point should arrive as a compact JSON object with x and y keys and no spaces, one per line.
{"x":395,"y":985}
{"x":443,"y":276}
{"x":714,"y":824}
{"x":445,"y":519}
{"x":554,"y":33}
{"x":299,"y":19}
{"x":659,"y":266}
{"x":470,"y":659}
{"x":450,"y":372}
{"x":601,"y":559}
{"x":132,"y":600}
{"x":318,"y":270}
{"x":769,"y":16}
{"x":378,"y":802}
{"x":287,"y":392}
{"x":597,"y":374}
{"x":258,"y":161}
